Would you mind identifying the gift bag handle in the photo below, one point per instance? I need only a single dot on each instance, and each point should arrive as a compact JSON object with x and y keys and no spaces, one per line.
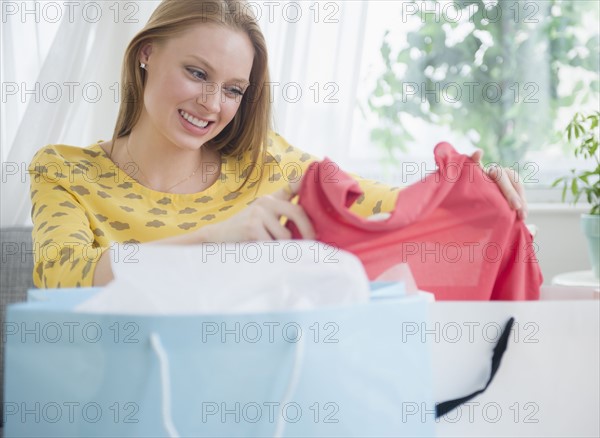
{"x":165,"y":383}
{"x":292,"y":385}
{"x":165,"y":380}
{"x":444,"y":407}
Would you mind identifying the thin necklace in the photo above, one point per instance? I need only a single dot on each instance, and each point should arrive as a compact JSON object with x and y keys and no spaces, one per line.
{"x":147,"y":179}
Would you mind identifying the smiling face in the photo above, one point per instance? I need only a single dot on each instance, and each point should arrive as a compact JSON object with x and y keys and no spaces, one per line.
{"x":195,"y":83}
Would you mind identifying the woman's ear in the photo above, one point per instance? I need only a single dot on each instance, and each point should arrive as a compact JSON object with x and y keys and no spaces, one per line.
{"x":145,"y":53}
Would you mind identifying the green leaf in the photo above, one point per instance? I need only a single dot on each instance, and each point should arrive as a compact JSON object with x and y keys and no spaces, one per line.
{"x":578,"y":87}
{"x":403,"y":57}
{"x":385,"y":49}
{"x":574,"y":187}
{"x":570,"y":131}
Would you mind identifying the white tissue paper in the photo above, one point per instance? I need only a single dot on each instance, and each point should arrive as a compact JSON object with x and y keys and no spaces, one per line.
{"x":231,"y":278}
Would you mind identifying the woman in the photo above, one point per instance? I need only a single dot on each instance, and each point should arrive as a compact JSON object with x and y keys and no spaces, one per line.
{"x":191,"y":159}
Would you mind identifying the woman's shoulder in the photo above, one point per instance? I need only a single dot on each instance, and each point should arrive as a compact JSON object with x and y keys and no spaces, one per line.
{"x":282,"y":152}
{"x":63,"y":153}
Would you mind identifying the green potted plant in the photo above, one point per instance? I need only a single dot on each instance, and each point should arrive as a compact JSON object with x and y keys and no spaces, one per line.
{"x":582,"y":133}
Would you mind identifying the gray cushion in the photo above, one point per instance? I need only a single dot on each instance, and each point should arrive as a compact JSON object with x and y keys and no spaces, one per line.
{"x":16,"y":276}
{"x":17,"y":264}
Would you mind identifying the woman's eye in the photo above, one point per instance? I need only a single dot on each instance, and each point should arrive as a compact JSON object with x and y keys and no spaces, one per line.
{"x":236,"y":91}
{"x":198,"y":74}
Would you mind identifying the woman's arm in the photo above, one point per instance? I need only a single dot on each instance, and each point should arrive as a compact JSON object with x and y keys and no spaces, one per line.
{"x":65,"y":252}
{"x":259,"y":221}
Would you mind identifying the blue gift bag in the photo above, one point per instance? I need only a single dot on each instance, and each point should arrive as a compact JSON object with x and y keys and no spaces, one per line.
{"x":338,"y":371}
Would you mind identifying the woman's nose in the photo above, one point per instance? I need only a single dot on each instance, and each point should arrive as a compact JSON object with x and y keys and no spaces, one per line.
{"x":210,"y":97}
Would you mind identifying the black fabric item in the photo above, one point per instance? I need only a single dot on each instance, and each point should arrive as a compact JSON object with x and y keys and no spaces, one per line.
{"x":444,"y":407}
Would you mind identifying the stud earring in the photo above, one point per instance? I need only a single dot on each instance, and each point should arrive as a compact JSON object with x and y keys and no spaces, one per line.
{"x":142,"y":65}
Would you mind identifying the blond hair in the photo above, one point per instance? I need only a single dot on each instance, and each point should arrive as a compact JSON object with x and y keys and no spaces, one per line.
{"x":247,"y":132}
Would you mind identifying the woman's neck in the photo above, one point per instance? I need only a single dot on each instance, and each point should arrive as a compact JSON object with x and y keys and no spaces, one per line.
{"x":161,"y":165}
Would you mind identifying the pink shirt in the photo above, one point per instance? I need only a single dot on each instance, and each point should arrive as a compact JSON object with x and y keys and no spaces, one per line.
{"x":454,"y":228}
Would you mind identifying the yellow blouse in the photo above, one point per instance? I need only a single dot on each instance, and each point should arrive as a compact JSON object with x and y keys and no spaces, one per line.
{"x":83,"y":203}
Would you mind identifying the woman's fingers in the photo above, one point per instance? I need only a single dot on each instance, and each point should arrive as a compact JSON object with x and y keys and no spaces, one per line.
{"x":277,"y":205}
{"x":508,"y":181}
{"x":293,"y":212}
{"x":477,"y":156}
{"x":288,"y":191}
{"x":275,"y":229}
{"x":296,"y":214}
{"x":516,"y":184}
{"x":511,"y":188}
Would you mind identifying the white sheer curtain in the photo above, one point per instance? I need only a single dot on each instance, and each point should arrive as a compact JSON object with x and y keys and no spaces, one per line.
{"x":59,"y":84}
{"x":315,"y":50}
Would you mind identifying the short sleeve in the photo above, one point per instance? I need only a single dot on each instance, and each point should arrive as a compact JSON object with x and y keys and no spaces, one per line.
{"x":376,"y":198}
{"x":65,"y":253}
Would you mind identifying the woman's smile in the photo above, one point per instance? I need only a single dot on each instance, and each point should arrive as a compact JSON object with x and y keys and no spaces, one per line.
{"x":194,"y":124}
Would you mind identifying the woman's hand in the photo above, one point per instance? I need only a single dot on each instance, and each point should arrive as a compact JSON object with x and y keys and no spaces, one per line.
{"x":261,"y":220}
{"x":509,"y":184}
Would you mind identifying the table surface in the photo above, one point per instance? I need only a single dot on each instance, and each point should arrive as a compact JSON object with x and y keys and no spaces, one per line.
{"x":577,"y":278}
{"x":548,"y":384}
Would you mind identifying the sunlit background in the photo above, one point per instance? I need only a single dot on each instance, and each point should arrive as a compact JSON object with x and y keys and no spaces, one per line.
{"x":372,"y":84}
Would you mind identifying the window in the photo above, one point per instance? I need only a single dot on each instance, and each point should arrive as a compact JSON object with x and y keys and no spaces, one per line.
{"x":502,"y":76}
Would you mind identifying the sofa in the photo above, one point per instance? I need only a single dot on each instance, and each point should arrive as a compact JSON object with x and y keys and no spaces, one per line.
{"x":15,"y":278}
